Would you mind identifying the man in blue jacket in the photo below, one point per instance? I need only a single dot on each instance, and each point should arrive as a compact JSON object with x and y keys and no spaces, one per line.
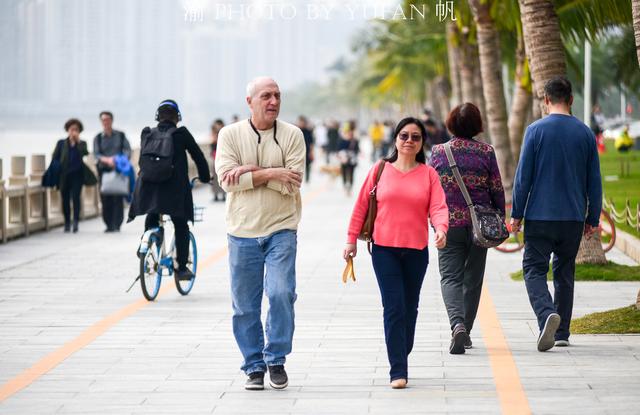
{"x":557,"y":182}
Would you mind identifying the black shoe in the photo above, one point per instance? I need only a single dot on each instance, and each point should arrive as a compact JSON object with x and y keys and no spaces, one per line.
{"x":184,"y":274}
{"x":67,"y":227}
{"x":458,"y":339}
{"x":468,"y":344}
{"x":255,"y":381}
{"x":75,"y":226}
{"x":278,"y":377}
{"x":108,"y":230}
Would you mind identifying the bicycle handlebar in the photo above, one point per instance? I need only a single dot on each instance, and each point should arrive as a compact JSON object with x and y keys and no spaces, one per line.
{"x":192,"y":182}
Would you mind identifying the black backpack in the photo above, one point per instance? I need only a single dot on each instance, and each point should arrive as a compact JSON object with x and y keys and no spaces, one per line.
{"x":156,"y":156}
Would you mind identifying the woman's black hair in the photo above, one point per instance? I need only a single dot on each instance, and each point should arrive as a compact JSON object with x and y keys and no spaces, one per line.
{"x":73,"y":121}
{"x":420,"y":156}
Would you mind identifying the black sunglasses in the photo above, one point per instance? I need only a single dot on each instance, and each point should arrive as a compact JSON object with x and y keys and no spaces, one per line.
{"x":414,"y":137}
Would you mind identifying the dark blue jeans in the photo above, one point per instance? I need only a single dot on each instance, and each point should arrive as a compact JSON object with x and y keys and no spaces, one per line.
{"x":400,"y":272}
{"x":541,"y":239}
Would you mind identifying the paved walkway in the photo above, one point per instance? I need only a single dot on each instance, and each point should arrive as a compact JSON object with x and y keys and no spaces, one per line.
{"x":72,"y":341}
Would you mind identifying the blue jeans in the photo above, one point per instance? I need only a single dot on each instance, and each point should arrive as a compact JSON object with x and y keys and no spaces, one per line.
{"x":248,"y":258}
{"x":541,"y":239}
{"x":400,"y":272}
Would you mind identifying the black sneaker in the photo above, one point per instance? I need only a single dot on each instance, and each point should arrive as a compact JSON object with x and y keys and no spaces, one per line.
{"x":458,"y":339}
{"x":184,"y":274}
{"x":278,"y":377}
{"x":255,"y":381}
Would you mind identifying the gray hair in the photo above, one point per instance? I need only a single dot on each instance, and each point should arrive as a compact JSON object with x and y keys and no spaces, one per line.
{"x":252,"y":86}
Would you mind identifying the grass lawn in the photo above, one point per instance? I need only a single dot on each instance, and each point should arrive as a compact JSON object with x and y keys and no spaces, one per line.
{"x":625,"y":320}
{"x":623,"y":188}
{"x":591,"y":272}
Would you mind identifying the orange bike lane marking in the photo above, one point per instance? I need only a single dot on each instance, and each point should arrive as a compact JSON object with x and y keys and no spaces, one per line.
{"x":53,"y":359}
{"x":513,"y":399}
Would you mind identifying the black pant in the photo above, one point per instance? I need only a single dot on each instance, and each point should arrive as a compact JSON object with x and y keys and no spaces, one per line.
{"x":181,"y":228}
{"x":541,"y":238}
{"x":462,"y":267}
{"x":72,"y":190}
{"x":347,"y":175}
{"x":400,"y":272}
{"x":307,"y":171}
{"x":112,"y":211}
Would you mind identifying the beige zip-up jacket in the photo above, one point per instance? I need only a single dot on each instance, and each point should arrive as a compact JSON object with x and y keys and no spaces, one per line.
{"x":261,"y":211}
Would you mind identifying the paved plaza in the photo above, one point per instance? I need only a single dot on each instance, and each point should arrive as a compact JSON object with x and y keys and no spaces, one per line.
{"x":72,"y":340}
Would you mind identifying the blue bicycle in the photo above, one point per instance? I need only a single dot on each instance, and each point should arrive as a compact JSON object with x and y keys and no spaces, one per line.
{"x":157,"y":261}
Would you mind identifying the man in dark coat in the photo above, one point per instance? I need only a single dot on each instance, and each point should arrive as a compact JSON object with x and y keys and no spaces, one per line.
{"x":173,"y":196}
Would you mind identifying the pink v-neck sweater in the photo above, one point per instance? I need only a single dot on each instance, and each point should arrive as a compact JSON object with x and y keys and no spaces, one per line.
{"x":405,"y":202}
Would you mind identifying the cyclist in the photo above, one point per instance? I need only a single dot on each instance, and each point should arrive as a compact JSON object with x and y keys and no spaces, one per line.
{"x":163,"y":186}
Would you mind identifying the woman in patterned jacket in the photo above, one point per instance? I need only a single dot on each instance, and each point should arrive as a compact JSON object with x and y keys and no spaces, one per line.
{"x":461,"y":262}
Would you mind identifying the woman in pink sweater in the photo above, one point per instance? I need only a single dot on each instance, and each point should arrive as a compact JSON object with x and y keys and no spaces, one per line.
{"x":409,"y":194}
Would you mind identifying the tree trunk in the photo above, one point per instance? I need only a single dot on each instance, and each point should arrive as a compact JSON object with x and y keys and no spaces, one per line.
{"x":590,"y":251}
{"x":453,"y":53}
{"x":521,"y":105}
{"x":442,"y":91}
{"x":466,"y":66}
{"x":491,"y":71}
{"x":635,"y":8}
{"x":543,"y":44}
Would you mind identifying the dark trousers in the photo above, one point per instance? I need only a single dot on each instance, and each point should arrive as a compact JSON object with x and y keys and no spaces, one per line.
{"x":541,"y":238}
{"x":347,"y":175}
{"x":400,"y":272}
{"x":71,"y":191}
{"x":462,"y":267}
{"x":307,"y":171}
{"x":181,"y":228}
{"x":112,"y":211}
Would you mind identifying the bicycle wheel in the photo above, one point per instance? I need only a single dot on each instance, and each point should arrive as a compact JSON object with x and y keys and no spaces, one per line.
{"x":607,"y":231}
{"x":150,"y":270}
{"x":185,"y":286}
{"x":515,"y":241}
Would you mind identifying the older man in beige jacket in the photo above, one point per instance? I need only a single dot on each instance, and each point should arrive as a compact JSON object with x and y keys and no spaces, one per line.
{"x":260,"y":163}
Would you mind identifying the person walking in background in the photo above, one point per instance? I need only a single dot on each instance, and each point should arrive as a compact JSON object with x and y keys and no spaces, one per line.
{"x":435,"y":134}
{"x":164,"y":188}
{"x":307,"y":133}
{"x":348,"y":152}
{"x":260,"y":163}
{"x":462,"y":263}
{"x":409,"y":195}
{"x":218,"y":192}
{"x":106,"y":146}
{"x":376,"y":134}
{"x":320,"y":134}
{"x":333,"y":137}
{"x":557,"y":181}
{"x":69,"y":152}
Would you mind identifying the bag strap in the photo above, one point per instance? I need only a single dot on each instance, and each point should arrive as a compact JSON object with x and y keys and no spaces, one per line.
{"x":456,"y":174}
{"x":378,"y":174}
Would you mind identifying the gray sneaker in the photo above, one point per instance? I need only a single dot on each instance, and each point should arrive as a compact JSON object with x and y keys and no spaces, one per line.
{"x":255,"y":381}
{"x":278,"y":378}
{"x":562,"y":343}
{"x":546,"y":340}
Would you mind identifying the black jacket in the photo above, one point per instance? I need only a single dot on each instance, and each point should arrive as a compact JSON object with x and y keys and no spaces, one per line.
{"x":172,"y":197}
{"x":61,"y":154}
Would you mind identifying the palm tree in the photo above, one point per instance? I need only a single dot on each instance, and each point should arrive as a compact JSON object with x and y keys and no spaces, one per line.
{"x":543,"y":44}
{"x":635,"y":7}
{"x":491,"y":72}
